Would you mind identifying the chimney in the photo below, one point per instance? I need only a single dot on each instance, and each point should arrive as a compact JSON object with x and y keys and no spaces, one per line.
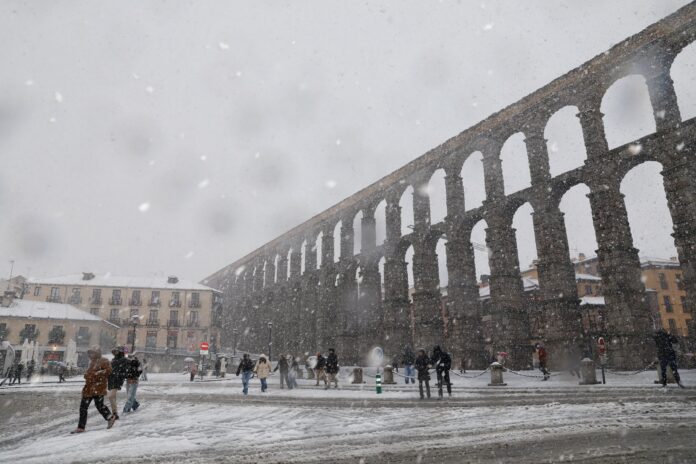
{"x":87,"y":275}
{"x":172,"y":279}
{"x":8,"y":298}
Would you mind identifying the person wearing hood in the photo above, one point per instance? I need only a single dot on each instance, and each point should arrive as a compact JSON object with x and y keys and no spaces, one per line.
{"x":263,"y":370}
{"x":543,"y":360}
{"x":319,"y":369}
{"x":119,"y":370}
{"x":246,"y":367}
{"x":409,"y":358}
{"x":443,"y":363}
{"x":667,"y":356}
{"x":283,"y":367}
{"x":132,"y":379}
{"x":292,"y":373}
{"x":96,"y":382}
{"x":332,"y":368}
{"x":423,"y":366}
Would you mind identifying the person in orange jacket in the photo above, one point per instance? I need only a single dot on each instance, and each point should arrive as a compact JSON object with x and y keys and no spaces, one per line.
{"x":96,"y":381}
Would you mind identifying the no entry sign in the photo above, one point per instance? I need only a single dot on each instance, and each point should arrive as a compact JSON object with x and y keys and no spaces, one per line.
{"x":204,"y":346}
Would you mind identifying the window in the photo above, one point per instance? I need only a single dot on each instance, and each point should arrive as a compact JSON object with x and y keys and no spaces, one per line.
{"x":37,"y":291}
{"x":155,"y":298}
{"x":113,"y":316}
{"x":195,"y":300}
{"x":151,"y":339}
{"x":680,"y":284}
{"x":3,"y":331}
{"x":672,"y":326}
{"x":191,"y":340}
{"x":153,"y":318}
{"x":56,"y":335}
{"x":193,"y":319}
{"x":135,"y":298}
{"x":668,"y":304}
{"x":663,"y":281}
{"x":172,"y":337}
{"x":96,"y":296}
{"x":685,"y":308}
{"x":175,"y":300}
{"x":174,"y":318}
{"x":94,"y":311}
{"x":133,"y":312}
{"x":29,"y":332}
{"x":83,"y":336}
{"x":55,"y":295}
{"x":588,"y":289}
{"x":115,"y":297}
{"x":75,"y":297}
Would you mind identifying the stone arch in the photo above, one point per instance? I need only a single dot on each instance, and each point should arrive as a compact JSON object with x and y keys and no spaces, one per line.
{"x":515,"y":164}
{"x":683,"y":73}
{"x":408,"y":259}
{"x":648,"y":213}
{"x":627,"y":110}
{"x":577,"y":216}
{"x":437,"y":196}
{"x":303,"y":256}
{"x":276,"y":275}
{"x":319,"y":249}
{"x":406,"y":204}
{"x":522,"y":222}
{"x":473,"y":180}
{"x":381,"y":222}
{"x":380,"y":268}
{"x":564,"y":141}
{"x":287,"y":270}
{"x":338,"y":228}
{"x":441,"y":252}
{"x":357,"y":233}
{"x":478,"y":241}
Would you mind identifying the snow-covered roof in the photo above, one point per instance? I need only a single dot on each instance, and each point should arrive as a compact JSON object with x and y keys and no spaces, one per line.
{"x":108,"y":280}
{"x":587,"y":277}
{"x":44,"y":310}
{"x":652,"y":261}
{"x":527,"y":283}
{"x":592,"y":300}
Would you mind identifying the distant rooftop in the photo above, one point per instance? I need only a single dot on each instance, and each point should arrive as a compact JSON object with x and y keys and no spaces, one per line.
{"x":44,"y":310}
{"x":108,"y":280}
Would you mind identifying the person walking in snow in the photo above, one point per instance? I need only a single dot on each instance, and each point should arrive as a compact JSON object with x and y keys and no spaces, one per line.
{"x":132,"y":377}
{"x":443,"y":363}
{"x":246,"y":367}
{"x":422,"y":364}
{"x":61,"y":373}
{"x":283,"y":367}
{"x":292,"y":373}
{"x":543,"y":359}
{"x":18,"y":373}
{"x":667,"y":356}
{"x":263,"y":370}
{"x":119,"y":371}
{"x":30,"y":369}
{"x":143,"y":377}
{"x":409,"y":358}
{"x":96,"y":383}
{"x":319,"y":369}
{"x":332,"y":368}
{"x":194,"y":370}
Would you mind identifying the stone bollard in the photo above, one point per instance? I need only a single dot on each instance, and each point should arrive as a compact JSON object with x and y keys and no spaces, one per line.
{"x":496,"y":375}
{"x":588,"y":371}
{"x":310,"y":374}
{"x":670,"y":375}
{"x":388,"y":378}
{"x":357,"y":375}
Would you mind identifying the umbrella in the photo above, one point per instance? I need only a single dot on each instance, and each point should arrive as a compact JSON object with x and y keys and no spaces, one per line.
{"x":25,"y":352}
{"x":36,"y":353}
{"x":189,"y":360}
{"x":71,"y":353}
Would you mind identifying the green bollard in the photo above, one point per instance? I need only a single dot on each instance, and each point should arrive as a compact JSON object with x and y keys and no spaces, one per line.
{"x":378,"y":383}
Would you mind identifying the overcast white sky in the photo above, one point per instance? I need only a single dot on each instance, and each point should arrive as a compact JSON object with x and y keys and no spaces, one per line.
{"x":156,"y":138}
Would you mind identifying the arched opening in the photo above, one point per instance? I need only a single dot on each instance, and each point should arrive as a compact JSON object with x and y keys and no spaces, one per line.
{"x":627,"y":110}
{"x":478,"y":242}
{"x":406,"y":204}
{"x":577,"y":216}
{"x":303,"y":257}
{"x":381,"y":223}
{"x":357,"y":233}
{"x":523,"y":224}
{"x":564,"y":141}
{"x":438,"y":196}
{"x":265,"y":274}
{"x":276,"y":275}
{"x":318,"y":249}
{"x":358,"y":282}
{"x":683,"y":74}
{"x":380,"y":266}
{"x":441,"y":251}
{"x":408,"y":258}
{"x":513,"y":157}
{"x":286,"y":271}
{"x":337,"y":241}
{"x":473,"y":180}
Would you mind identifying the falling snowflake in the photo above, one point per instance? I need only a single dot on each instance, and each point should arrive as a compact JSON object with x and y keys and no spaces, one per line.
{"x":660,"y":114}
{"x":488,"y":27}
{"x":149,"y":89}
{"x":144,"y":207}
{"x":203,"y":158}
{"x":151,"y":163}
{"x":257,"y":155}
{"x":223,"y":46}
{"x":331,"y":183}
{"x":59,"y":97}
{"x":635,"y":148}
{"x":29,"y":83}
{"x":338,"y":141}
{"x":238,"y":74}
{"x":188,"y":255}
{"x":680,"y":146}
{"x":204,"y":183}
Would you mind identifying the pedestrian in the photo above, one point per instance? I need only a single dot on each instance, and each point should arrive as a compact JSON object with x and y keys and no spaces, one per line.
{"x":61,"y":373}
{"x":193,"y":370}
{"x":319,"y":369}
{"x":143,"y":377}
{"x":218,"y":364}
{"x":443,"y":363}
{"x":96,"y":382}
{"x":263,"y":370}
{"x":43,"y":370}
{"x":132,"y":376}
{"x":119,"y":371}
{"x":202,"y":369}
{"x":422,"y":365}
{"x":292,"y":373}
{"x":223,"y":367}
{"x":332,"y":368}
{"x":9,"y":375}
{"x":18,"y":373}
{"x":667,"y":356}
{"x":30,"y":369}
{"x":246,"y":367}
{"x":409,"y":358}
{"x":283,"y":367}
{"x":543,"y":359}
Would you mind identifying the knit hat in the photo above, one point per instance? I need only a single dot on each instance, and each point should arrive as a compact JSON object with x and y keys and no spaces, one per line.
{"x":95,"y":349}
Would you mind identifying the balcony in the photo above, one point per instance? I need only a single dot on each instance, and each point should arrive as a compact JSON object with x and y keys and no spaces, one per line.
{"x":54,"y":299}
{"x":173,"y":323}
{"x":95,"y":300}
{"x":190,"y":323}
{"x":175,"y":303}
{"x":135,"y":302}
{"x":152,"y":323}
{"x":128,"y":322}
{"x":194,"y":304}
{"x":76,"y":300}
{"x":115,"y":320}
{"x":115,"y":302}
{"x":155,"y":302}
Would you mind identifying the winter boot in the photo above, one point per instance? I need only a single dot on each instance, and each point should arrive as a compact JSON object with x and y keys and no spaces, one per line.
{"x":78,"y":430}
{"x":111,"y":421}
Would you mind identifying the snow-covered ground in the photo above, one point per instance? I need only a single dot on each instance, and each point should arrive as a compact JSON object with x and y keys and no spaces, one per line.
{"x":628,"y":420}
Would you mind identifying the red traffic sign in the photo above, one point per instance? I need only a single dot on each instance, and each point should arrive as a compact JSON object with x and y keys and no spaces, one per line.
{"x":602,"y":345}
{"x":204,"y":346}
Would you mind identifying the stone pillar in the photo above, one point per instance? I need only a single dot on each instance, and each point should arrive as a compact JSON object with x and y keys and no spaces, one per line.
{"x":427,"y":303}
{"x":269,"y":274}
{"x":628,"y":320}
{"x":282,"y":270}
{"x":327,"y":247}
{"x":663,"y":96}
{"x":347,"y":238}
{"x":295,"y":261}
{"x":310,"y":254}
{"x":368,"y":236}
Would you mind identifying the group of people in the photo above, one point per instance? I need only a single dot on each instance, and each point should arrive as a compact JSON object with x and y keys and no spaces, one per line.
{"x":326,"y":369}
{"x":104,"y":378}
{"x":420,"y":364}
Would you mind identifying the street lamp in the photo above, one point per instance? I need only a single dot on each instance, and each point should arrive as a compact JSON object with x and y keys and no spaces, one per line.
{"x":134,"y":323}
{"x":270,"y":339}
{"x":234,"y":342}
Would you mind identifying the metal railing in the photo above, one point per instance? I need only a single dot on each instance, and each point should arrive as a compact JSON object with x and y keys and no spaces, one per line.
{"x":190,"y":323}
{"x":95,"y":301}
{"x":54,"y":299}
{"x":194,"y":304}
{"x":115,"y":301}
{"x":75,"y":300}
{"x":155,"y":303}
{"x":135,"y":302}
{"x":152,"y":323}
{"x":173,"y":323}
{"x":175,"y":304}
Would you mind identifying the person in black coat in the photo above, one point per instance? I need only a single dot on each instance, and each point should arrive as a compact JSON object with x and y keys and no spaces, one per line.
{"x":320,"y":369}
{"x":443,"y":363}
{"x":666,"y":355}
{"x":408,"y":359}
{"x":423,"y":366}
{"x":332,"y":368}
{"x":283,"y":367}
{"x":119,"y":371}
{"x":246,"y":367}
{"x":18,"y":373}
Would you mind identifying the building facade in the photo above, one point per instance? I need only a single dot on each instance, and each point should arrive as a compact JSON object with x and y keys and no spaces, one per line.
{"x":156,"y":315}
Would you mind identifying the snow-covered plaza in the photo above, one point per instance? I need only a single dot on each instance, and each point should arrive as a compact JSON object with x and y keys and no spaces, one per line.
{"x":630,"y":419}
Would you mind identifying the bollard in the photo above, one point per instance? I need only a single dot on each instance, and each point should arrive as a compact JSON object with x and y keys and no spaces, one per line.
{"x":496,"y":375}
{"x":378,"y":383}
{"x":670,"y":375}
{"x":388,"y":376}
{"x":357,"y":375}
{"x":588,"y":371}
{"x":310,"y":374}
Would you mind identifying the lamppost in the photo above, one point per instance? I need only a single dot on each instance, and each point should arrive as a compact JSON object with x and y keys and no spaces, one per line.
{"x":270,"y":339}
{"x":234,"y":341}
{"x":134,"y":323}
